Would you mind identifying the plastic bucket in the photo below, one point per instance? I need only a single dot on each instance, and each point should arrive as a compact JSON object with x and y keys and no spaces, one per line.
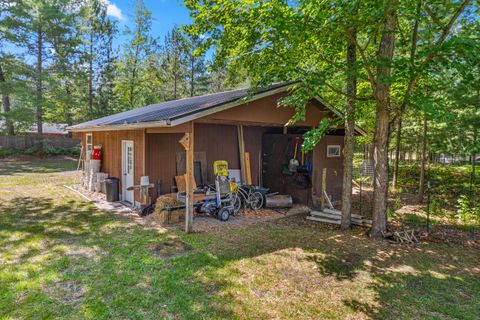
{"x":97,"y":152}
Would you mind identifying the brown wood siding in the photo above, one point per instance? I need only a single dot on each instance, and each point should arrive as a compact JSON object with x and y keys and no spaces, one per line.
{"x":162,"y":149}
{"x":334,"y":169}
{"x":265,"y":111}
{"x":111,"y":142}
{"x":253,"y":144}
{"x":219,"y":142}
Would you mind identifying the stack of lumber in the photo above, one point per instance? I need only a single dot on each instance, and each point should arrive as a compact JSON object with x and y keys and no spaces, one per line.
{"x":168,"y":216}
{"x":335,"y":217}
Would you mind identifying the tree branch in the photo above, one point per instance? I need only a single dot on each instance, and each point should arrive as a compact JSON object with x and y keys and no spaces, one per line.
{"x":355,"y":97}
{"x":432,"y":54}
{"x":445,"y":32}
{"x":361,"y":50}
{"x":433,"y":16}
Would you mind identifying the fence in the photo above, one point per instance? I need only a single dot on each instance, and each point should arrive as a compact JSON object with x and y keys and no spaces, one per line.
{"x":25,"y":142}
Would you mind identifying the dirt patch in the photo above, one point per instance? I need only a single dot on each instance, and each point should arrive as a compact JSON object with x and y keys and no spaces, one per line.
{"x":170,"y":248}
{"x":67,"y":292}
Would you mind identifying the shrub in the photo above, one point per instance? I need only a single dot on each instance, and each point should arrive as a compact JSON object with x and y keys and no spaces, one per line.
{"x":467,"y":212}
{"x":47,"y":151}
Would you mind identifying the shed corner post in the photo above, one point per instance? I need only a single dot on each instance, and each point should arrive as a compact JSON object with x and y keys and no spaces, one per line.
{"x":187,"y":143}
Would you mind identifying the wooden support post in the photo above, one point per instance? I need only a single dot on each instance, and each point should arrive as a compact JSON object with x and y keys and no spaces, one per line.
{"x":241,"y":149}
{"x":187,"y":143}
{"x":324,"y":187}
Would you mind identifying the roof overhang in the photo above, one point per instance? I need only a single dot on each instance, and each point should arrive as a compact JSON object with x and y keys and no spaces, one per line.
{"x":184,"y":118}
{"x":126,"y":126}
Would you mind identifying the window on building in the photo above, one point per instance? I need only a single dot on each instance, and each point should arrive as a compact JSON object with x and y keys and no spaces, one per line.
{"x":89,"y":146}
{"x":333,"y":151}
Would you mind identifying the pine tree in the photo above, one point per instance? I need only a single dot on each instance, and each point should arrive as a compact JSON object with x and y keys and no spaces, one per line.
{"x":174,"y":64}
{"x":130,"y":84}
{"x":196,"y":77}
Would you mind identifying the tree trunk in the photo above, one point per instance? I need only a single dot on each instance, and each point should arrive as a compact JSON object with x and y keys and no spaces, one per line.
{"x":90,"y":76}
{"x":397,"y":152}
{"x":6,"y":106}
{"x":382,"y":96}
{"x":192,"y":76}
{"x":175,"y":77}
{"x":349,"y":139}
{"x":423,"y":160}
{"x":472,"y":176}
{"x":39,"y":88}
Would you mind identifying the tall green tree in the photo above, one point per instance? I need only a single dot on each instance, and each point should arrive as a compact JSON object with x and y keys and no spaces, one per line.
{"x":45,"y":22}
{"x":305,"y":40}
{"x":10,"y":26}
{"x":130,"y":84}
{"x":175,"y":63}
{"x":196,"y":76}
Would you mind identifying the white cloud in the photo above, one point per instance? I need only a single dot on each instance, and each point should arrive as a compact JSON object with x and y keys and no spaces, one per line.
{"x":114,"y":11}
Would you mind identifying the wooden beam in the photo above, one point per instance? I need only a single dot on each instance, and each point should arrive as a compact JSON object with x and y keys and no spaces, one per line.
{"x":241,"y":149}
{"x":244,"y":123}
{"x":248,"y":172}
{"x":324,"y":187}
{"x":187,"y":143}
{"x":144,"y":146}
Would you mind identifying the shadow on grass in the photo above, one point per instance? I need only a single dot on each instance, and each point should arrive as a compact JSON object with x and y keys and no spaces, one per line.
{"x":76,"y":260}
{"x":69,"y":259}
{"x":429,"y":281}
{"x":13,"y":167}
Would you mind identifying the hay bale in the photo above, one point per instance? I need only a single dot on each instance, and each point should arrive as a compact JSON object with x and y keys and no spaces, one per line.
{"x":168,"y":217}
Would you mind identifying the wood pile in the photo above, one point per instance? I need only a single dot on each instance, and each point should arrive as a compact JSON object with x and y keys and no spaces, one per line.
{"x":164,"y":214}
{"x":335,"y":217}
{"x":406,"y":236}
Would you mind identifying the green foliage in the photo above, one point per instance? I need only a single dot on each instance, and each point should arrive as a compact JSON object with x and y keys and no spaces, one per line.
{"x":312,"y":137}
{"x":47,"y":151}
{"x":468,"y":211}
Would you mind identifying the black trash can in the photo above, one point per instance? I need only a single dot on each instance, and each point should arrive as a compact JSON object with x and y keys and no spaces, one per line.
{"x":111,"y":186}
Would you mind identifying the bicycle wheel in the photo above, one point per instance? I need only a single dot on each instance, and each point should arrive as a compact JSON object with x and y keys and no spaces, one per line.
{"x":256,"y":200}
{"x":237,"y":203}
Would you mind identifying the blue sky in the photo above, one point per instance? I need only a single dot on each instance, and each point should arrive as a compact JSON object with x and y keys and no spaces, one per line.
{"x":165,"y":14}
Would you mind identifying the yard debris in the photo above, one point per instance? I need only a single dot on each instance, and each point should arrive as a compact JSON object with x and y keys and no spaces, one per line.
{"x":406,"y":236}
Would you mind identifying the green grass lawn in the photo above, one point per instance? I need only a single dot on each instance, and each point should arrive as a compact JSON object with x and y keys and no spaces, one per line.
{"x":60,"y":257}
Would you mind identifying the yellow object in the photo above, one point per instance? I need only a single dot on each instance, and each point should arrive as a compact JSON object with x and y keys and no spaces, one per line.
{"x":233,"y":186}
{"x":220,"y":168}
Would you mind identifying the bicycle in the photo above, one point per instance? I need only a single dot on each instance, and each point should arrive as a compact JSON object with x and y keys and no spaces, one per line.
{"x":247,"y":197}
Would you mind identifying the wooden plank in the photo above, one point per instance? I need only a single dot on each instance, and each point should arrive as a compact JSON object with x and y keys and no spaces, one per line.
{"x":248,"y":173}
{"x":241,"y":149}
{"x":338,"y":212}
{"x":181,"y":183}
{"x":333,"y":211}
{"x":323,"y":220}
{"x":325,"y":215}
{"x":330,"y":205}
{"x":189,"y":199}
{"x":338,"y":221}
{"x":324,"y":187}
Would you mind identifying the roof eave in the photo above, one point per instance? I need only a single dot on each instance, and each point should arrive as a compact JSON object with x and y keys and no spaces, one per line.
{"x":127,"y":126}
{"x":217,"y":108}
{"x":339,"y":114}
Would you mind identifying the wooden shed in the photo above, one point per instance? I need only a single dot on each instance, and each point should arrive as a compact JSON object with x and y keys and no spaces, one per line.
{"x":145,"y":142}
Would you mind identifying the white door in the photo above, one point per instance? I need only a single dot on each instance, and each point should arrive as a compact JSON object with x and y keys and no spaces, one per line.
{"x":127,"y":170}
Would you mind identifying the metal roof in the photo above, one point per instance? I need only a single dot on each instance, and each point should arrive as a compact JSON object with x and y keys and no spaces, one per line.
{"x":176,"y":109}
